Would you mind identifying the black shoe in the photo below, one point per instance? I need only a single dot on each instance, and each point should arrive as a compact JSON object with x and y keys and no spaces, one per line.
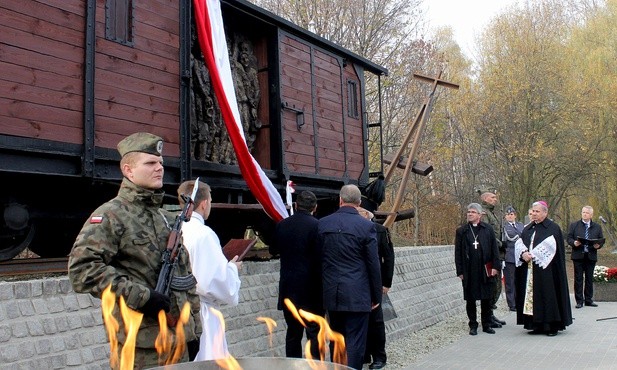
{"x":497,"y":320}
{"x":377,"y":365}
{"x":551,"y":333}
{"x":535,"y":332}
{"x":512,"y":309}
{"x":592,"y":304}
{"x":494,"y":307}
{"x":494,"y":325}
{"x":473,"y":331}
{"x":488,"y":330}
{"x":579,"y":305}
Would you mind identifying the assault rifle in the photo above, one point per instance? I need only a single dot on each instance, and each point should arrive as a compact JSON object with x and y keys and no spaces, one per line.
{"x":170,"y":256}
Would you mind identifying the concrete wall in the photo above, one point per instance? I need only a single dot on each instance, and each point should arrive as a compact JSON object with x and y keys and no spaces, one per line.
{"x":45,"y":325}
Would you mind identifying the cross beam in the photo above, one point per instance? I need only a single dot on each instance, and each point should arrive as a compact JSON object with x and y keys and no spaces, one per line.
{"x":415,"y":131}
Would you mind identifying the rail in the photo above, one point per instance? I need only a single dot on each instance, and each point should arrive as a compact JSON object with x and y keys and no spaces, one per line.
{"x":33,"y":266}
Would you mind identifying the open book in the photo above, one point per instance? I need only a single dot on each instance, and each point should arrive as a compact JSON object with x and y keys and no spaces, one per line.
{"x":238,"y":247}
{"x":590,"y":241}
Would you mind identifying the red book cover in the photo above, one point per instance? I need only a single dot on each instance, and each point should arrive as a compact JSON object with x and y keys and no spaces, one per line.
{"x":488,"y":267}
{"x":238,"y":247}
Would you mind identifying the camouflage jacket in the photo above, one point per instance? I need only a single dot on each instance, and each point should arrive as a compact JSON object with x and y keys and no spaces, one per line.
{"x":121,"y":244}
{"x":493,"y":220}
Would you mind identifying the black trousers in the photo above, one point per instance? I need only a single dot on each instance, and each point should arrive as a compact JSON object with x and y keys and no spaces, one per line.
{"x":295,"y":333}
{"x":583,"y":270}
{"x":508,"y":274}
{"x":376,"y":338}
{"x":485,"y":313}
{"x":354,"y":327}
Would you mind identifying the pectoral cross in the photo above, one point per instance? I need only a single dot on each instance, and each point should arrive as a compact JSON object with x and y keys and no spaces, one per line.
{"x":475,"y":244}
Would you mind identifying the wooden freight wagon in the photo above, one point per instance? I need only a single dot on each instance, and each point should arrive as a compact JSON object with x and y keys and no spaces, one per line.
{"x":78,"y":76}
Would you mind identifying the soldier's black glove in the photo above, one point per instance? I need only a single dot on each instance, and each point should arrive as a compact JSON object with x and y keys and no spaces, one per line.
{"x":193,"y":347}
{"x":156,"y":303}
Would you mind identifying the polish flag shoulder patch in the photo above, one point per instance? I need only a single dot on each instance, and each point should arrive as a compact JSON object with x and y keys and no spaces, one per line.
{"x":96,"y":219}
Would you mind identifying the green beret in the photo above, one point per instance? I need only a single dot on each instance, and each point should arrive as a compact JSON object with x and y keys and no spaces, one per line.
{"x":141,"y":142}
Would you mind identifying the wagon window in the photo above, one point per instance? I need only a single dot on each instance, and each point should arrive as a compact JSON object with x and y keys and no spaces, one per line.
{"x":119,"y":21}
{"x":352,"y":99}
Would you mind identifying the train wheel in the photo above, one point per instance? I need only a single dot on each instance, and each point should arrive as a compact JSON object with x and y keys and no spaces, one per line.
{"x":14,"y":243}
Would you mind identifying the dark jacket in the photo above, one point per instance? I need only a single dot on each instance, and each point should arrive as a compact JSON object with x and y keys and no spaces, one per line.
{"x":490,"y":253}
{"x":350,"y":262}
{"x":577,"y":229}
{"x":386,"y":254}
{"x":295,"y":238}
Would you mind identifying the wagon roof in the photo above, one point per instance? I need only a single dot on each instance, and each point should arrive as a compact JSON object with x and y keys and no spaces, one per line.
{"x":286,"y":25}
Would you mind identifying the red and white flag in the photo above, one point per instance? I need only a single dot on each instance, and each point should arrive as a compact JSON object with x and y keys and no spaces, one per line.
{"x":211,"y":36}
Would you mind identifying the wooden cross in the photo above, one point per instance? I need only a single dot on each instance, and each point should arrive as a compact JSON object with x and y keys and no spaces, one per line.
{"x":415,"y":130}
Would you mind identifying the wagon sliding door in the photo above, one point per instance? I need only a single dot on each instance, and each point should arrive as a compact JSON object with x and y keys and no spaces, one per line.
{"x":322,"y":127}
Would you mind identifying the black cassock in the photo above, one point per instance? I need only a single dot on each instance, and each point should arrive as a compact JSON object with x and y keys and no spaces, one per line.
{"x":470,"y":261}
{"x":551,"y":298}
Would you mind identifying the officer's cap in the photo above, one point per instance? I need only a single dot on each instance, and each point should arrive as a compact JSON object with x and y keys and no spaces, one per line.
{"x":141,"y":142}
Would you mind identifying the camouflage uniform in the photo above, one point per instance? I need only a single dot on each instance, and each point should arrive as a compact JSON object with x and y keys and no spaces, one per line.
{"x":495,"y":222}
{"x":122,"y":244}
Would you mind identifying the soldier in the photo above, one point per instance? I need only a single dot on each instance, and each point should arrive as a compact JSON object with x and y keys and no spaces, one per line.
{"x":122,"y":243}
{"x":489,"y":201}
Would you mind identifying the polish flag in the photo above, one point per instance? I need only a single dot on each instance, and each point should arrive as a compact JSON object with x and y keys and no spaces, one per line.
{"x":211,"y":36}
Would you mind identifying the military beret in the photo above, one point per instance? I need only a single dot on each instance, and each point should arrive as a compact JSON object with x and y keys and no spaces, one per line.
{"x":141,"y":142}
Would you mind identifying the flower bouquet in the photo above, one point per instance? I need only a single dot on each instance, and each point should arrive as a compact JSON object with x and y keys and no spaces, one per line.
{"x":603,"y":274}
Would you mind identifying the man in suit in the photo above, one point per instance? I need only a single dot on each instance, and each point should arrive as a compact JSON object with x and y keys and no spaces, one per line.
{"x":351,"y":276}
{"x":584,"y":255}
{"x":295,"y":239}
{"x":512,"y":231}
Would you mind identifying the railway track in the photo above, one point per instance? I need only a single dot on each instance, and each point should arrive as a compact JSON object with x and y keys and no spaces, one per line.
{"x":33,"y":266}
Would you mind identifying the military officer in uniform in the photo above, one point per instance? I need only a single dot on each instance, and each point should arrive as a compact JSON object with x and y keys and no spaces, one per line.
{"x":122,"y":243}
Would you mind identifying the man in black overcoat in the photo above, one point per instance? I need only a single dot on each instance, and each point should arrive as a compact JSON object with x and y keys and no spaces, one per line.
{"x":295,"y":239}
{"x":585,"y":255}
{"x":542,"y":296}
{"x":351,"y":275}
{"x":476,"y":256}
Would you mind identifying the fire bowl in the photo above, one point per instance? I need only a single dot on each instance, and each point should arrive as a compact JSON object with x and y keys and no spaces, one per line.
{"x":259,"y":363}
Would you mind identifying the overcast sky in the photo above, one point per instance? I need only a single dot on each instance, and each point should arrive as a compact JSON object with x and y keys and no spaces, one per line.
{"x":466,"y":17}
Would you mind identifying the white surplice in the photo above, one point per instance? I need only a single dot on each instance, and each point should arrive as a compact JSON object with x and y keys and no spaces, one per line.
{"x":217,"y":283}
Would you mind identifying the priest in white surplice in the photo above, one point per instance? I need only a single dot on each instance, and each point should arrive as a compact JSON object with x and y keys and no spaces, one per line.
{"x":217,"y":279}
{"x":542,"y":296}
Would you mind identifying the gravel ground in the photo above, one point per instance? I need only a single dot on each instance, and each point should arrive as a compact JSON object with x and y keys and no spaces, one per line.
{"x":407,"y":350}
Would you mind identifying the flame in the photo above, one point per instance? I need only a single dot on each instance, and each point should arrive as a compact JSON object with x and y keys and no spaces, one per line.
{"x":325,"y":334}
{"x":108,"y":302}
{"x":224,"y":360}
{"x":132,"y":320}
{"x":290,"y":306}
{"x":164,"y":340}
{"x":270,"y":324}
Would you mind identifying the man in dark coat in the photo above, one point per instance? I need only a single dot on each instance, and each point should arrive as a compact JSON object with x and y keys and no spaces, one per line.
{"x":376,"y":337}
{"x":585,"y":255}
{"x":476,"y":256}
{"x":542,"y":297}
{"x":295,"y":238}
{"x":351,"y":277}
